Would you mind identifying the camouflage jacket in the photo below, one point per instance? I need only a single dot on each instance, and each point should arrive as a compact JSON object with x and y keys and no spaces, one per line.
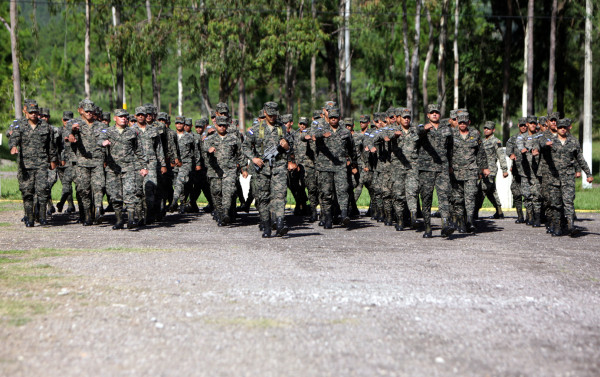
{"x":468,"y":157}
{"x":493,"y":152}
{"x":566,"y":159}
{"x":125,"y":152}
{"x":185,"y":147}
{"x":546,"y":153}
{"x":384,"y":148}
{"x":529,"y":165}
{"x":335,"y":151}
{"x":36,"y":146}
{"x":86,"y":151}
{"x":434,"y":148}
{"x":304,"y":150}
{"x":226,"y":157}
{"x":149,"y":137}
{"x":404,"y":150}
{"x":260,"y":138}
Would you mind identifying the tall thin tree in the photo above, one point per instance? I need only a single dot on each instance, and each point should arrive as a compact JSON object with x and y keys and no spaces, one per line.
{"x":14,"y":49}
{"x":455,"y":49}
{"x":86,"y":49}
{"x":552,"y":60}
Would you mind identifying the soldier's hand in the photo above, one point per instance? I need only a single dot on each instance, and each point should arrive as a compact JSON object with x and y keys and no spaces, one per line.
{"x":549,"y":143}
{"x":53,"y":165}
{"x":211,"y":130}
{"x":354,"y":171}
{"x":373,"y":150}
{"x":535,"y":152}
{"x":578,"y":174}
{"x":72,"y":139}
{"x":314,"y":138}
{"x":327,"y":134}
{"x":163,"y":170}
{"x":178,"y":163}
{"x":486,"y":172}
{"x":428,"y":126}
{"x":75,"y":127}
{"x":398,"y":133}
{"x":308,"y":137}
{"x":105,"y":143}
{"x":258,"y":162}
{"x":144,"y":172}
{"x":366,"y":169}
{"x":198,"y":167}
{"x":244,"y":174}
{"x":105,"y":165}
{"x":284,"y":144}
{"x":386,"y":139}
{"x":590,"y":179}
{"x":512,"y":157}
{"x":211,"y":150}
{"x":62,"y":163}
{"x":524,"y":150}
{"x":292,"y":166}
{"x":505,"y":174}
{"x":14,"y":150}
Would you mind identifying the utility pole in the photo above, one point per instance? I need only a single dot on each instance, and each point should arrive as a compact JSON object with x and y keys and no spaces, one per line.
{"x":587,"y":93}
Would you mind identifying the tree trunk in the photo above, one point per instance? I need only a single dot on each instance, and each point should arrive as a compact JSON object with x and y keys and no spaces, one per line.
{"x":313,"y":68}
{"x":530,"y":14}
{"x":560,"y":62}
{"x":153,"y":64}
{"x":289,"y":70}
{"x":506,"y":73}
{"x":441,"y":66}
{"x":179,"y":80}
{"x":415,"y":60}
{"x":587,"y":94}
{"x":427,"y":58}
{"x":456,"y":62}
{"x":242,"y":104}
{"x":331,"y":62}
{"x":341,"y":59}
{"x":14,"y":49}
{"x":407,"y":70}
{"x":552,"y":60}
{"x":204,"y":89}
{"x":347,"y":61}
{"x":86,"y":73}
{"x":116,"y":10}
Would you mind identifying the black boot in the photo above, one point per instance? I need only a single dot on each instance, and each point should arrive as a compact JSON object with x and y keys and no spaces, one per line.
{"x":460,"y":224}
{"x":131,"y":220}
{"x":43,"y":213}
{"x":313,"y":214}
{"x":28,"y":216}
{"x":400,"y":223}
{"x":427,"y":233}
{"x":447,"y":228}
{"x":225,"y":219}
{"x":119,"y":215}
{"x":266,"y":229}
{"x":328,"y":221}
{"x":520,"y":219}
{"x":572,"y":230}
{"x":98,"y":216}
{"x":61,"y":203}
{"x":556,"y":228}
{"x":470,"y":226}
{"x":413,"y":220}
{"x":345,"y":218}
{"x":281,"y":228}
{"x":499,"y":214}
{"x":87,"y":217}
{"x":536,"y":220}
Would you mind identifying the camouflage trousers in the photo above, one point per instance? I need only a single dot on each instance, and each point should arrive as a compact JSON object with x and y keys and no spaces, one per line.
{"x":123,"y":188}
{"x":270,"y":194}
{"x":464,"y":196}
{"x":65,"y":174}
{"x":181,"y":178}
{"x":545,"y":193}
{"x":562,"y":195}
{"x":33,"y":183}
{"x":150,"y":187}
{"x":296,"y":184}
{"x":382,"y":192}
{"x":515,"y":190}
{"x":223,"y":190}
{"x":440,"y":181}
{"x":52,"y":177}
{"x":309,"y":177}
{"x":197,"y":184}
{"x":333,"y":184}
{"x":405,"y":190}
{"x":487,"y":187}
{"x":90,"y":185}
{"x":364,"y":180}
{"x":165,"y":186}
{"x":530,"y":187}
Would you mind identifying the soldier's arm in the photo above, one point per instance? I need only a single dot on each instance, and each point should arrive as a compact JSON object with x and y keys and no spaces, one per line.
{"x":160,"y":153}
{"x":138,"y":150}
{"x":579,"y":160}
{"x":248,"y":149}
{"x":482,"y":162}
{"x":52,"y":150}
{"x":501,"y":157}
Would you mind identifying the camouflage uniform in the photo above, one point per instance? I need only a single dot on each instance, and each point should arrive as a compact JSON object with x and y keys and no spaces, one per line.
{"x":334,"y":153}
{"x":305,"y":155}
{"x":434,"y":149}
{"x":168,"y":137}
{"x":89,"y":163}
{"x":270,"y":182}
{"x":545,"y":161}
{"x":529,"y":164}
{"x":516,"y":171}
{"x":492,"y":147}
{"x":65,"y":172}
{"x":35,"y":150}
{"x":186,"y":151}
{"x":466,"y":161}
{"x":124,"y":159}
{"x":222,"y":166}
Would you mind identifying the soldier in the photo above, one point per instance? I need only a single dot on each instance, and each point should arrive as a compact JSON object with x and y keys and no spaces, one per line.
{"x":198,"y":178}
{"x":89,"y":161}
{"x":44,"y":115}
{"x":270,"y":175}
{"x":305,"y":154}
{"x":169,"y":143}
{"x":65,"y":168}
{"x":33,"y":142}
{"x":517,"y":170}
{"x":106,"y":118}
{"x":151,"y":146}
{"x":492,"y":147}
{"x":566,"y":155}
{"x":222,"y":156}
{"x":527,"y":146}
{"x":294,"y":180}
{"x":124,"y":160}
{"x":365,"y":161}
{"x":549,"y":132}
{"x":335,"y":153}
{"x":467,"y":161}
{"x":434,"y":151}
{"x":352,"y":173}
{"x":185,"y":146}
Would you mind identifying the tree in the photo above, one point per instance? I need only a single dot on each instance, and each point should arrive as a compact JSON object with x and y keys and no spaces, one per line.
{"x":14,"y":49}
{"x":552,"y":59}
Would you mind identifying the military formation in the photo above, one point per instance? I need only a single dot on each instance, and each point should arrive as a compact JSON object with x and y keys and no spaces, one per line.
{"x":146,"y":169}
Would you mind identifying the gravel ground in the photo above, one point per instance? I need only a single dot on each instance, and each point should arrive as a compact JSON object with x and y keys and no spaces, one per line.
{"x":189,"y":298}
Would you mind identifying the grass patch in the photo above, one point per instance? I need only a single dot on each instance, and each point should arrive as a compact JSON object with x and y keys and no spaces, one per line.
{"x":250,"y":323}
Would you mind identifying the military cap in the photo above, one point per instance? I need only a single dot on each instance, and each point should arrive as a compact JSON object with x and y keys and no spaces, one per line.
{"x":462,"y":118}
{"x":45,"y":111}
{"x":67,"y":115}
{"x":433,"y":107}
{"x":490,"y":125}
{"x":561,"y":124}
{"x":188,"y":122}
{"x":328,"y":105}
{"x":162,"y":116}
{"x":531,"y":119}
{"x":461,"y":111}
{"x":121,"y":113}
{"x":86,"y":103}
{"x":180,"y":119}
{"x":270,"y":108}
{"x":132,"y":118}
{"x":542,"y":120}
{"x":285,"y":118}
{"x":453,"y":114}
{"x":213,"y":114}
{"x":150,"y":108}
{"x":522,"y":120}
{"x":235,"y":122}
{"x":349,"y":122}
{"x":202,"y":122}
{"x":334,"y":112}
{"x":555,"y":115}
{"x":444,"y":122}
{"x":32,"y":108}
{"x":140,"y":110}
{"x":99,"y":110}
{"x":222,"y":120}
{"x":568,"y":121}
{"x":27,"y":101}
{"x":317,"y":114}
{"x":391,"y":111}
{"x":222,"y":108}
{"x":261,"y":113}
{"x":365,"y":119}
{"x":405,"y":112}
{"x":106,"y":116}
{"x":303,"y":120}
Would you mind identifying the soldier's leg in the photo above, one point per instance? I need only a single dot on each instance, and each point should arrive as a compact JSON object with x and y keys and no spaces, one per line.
{"x":399,"y":197}
{"x":310,"y":180}
{"x":182,"y":178}
{"x":567,"y":186}
{"x":442,"y":187}
{"x":98,"y":186}
{"x":470,"y":194}
{"x":83,"y":178}
{"x":52,"y":178}
{"x":527,"y":198}
{"x":114,"y":189}
{"x":326,"y":185}
{"x":278,"y":199}
{"x":229,"y":191}
{"x":216,"y":190}
{"x":537,"y":201}
{"x":262,"y":195}
{"x":27,"y":188}
{"x":426,"y":186}
{"x":515,"y":190}
{"x":150,"y":193}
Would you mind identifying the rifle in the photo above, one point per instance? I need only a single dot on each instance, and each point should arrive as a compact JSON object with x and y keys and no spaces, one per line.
{"x":269,"y":156}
